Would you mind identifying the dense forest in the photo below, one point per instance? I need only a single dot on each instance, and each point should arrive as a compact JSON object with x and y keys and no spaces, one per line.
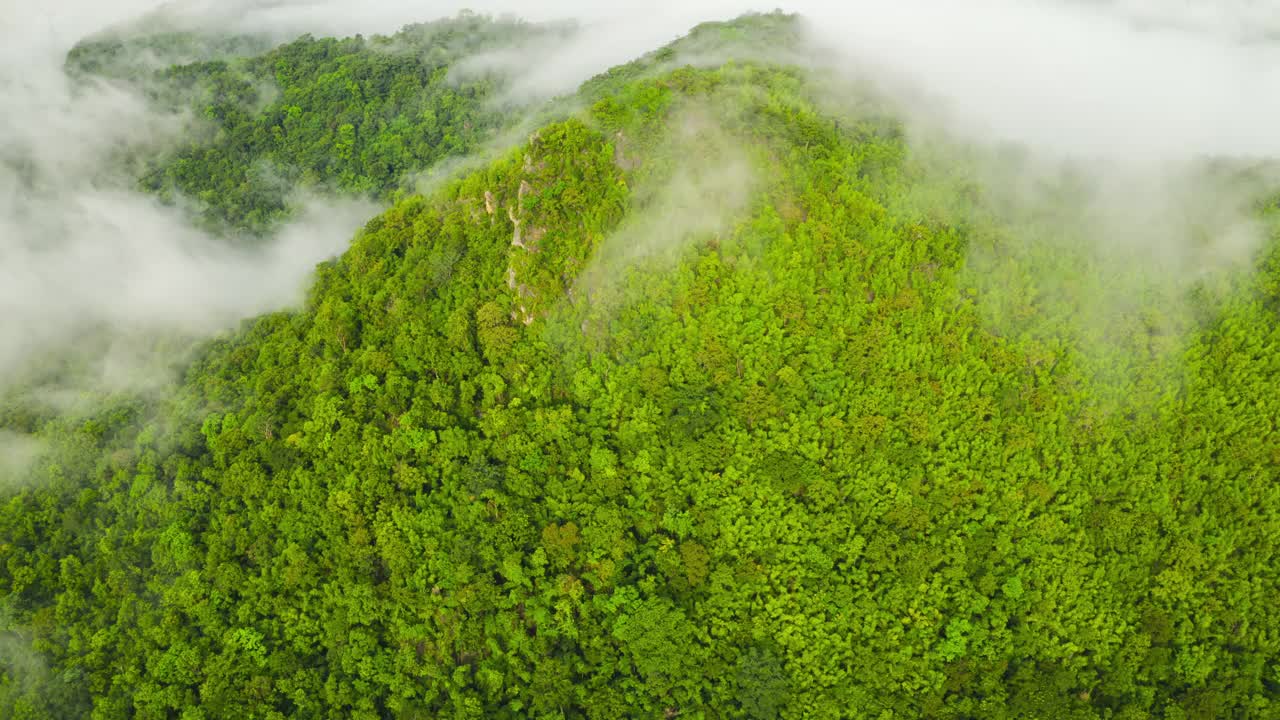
{"x":352,"y":115}
{"x":690,"y":404}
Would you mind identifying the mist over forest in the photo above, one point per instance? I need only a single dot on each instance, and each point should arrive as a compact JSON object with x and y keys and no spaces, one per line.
{"x":678,"y":359}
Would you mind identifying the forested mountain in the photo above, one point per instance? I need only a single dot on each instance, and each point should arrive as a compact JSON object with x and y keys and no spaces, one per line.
{"x":688,"y":405}
{"x":353,"y":115}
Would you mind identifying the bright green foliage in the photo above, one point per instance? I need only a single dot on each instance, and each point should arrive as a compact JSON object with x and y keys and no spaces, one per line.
{"x":354,"y":115}
{"x":778,"y":467}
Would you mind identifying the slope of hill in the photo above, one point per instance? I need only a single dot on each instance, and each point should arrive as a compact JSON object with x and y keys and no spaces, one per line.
{"x":354,"y":115}
{"x":686,"y":406}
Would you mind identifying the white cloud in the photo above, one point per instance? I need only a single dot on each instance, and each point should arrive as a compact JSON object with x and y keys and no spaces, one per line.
{"x":77,"y":248}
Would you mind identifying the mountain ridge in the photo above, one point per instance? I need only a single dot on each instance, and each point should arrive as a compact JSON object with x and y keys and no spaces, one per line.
{"x":601,"y":430}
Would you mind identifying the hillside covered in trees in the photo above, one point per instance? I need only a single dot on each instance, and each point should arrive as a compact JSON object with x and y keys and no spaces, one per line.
{"x":355,"y":115}
{"x":689,"y":404}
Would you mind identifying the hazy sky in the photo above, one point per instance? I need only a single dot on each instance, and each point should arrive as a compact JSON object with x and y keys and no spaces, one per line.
{"x":1167,"y":76}
{"x":1120,"y":76}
